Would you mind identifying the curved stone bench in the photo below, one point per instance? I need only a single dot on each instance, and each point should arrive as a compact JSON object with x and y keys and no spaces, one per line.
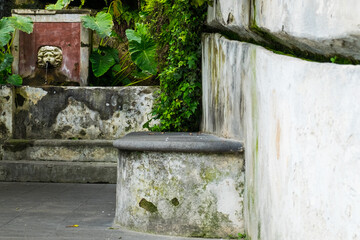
{"x":185,"y":184}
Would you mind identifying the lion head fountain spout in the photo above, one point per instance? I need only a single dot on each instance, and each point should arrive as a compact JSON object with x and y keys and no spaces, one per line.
{"x":49,"y":57}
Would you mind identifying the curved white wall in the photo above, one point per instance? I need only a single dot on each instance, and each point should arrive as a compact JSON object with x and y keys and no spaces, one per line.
{"x":301,"y":126}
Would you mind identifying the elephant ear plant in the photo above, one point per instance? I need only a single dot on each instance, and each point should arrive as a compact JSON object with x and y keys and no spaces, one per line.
{"x":8,"y":27}
{"x":139,"y":63}
{"x":62,"y":4}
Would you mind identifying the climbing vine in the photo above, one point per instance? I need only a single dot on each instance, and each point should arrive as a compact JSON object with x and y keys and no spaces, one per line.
{"x":177,"y":27}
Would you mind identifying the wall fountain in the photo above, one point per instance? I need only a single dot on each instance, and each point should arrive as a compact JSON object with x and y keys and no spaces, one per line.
{"x":57,"y":52}
{"x":53,"y":132}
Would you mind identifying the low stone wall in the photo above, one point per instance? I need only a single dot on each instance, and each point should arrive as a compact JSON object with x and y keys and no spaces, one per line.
{"x":185,"y":184}
{"x":80,"y":112}
{"x":65,"y":134}
{"x":301,"y":127}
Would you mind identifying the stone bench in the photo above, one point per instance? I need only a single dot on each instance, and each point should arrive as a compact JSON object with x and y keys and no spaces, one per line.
{"x":185,"y":184}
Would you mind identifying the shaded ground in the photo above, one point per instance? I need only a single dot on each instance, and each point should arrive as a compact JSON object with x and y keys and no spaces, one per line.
{"x":40,"y":211}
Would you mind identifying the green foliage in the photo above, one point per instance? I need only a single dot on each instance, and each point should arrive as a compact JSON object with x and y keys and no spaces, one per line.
{"x":105,"y":60}
{"x":5,"y":31}
{"x":168,"y":40}
{"x":102,"y":23}
{"x":15,"y":79}
{"x":8,"y":27}
{"x":6,"y":61}
{"x":198,"y":3}
{"x":122,"y":12}
{"x":177,"y":27}
{"x":241,"y":236}
{"x":142,"y":49}
{"x":102,"y":60}
{"x":21,"y":23}
{"x":343,"y":60}
{"x":61,"y":4}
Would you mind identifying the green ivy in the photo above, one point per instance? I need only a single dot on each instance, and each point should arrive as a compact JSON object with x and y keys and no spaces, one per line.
{"x":177,"y":26}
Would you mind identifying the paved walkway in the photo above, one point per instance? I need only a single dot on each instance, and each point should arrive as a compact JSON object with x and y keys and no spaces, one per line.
{"x":50,"y":211}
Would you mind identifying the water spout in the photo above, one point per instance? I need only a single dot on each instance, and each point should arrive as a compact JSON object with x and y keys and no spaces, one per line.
{"x":46,"y":72}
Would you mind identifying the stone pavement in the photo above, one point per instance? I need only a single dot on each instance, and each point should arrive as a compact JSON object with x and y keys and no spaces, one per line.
{"x":49,"y":211}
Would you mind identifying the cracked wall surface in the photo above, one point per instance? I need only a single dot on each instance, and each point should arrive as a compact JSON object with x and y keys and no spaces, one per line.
{"x":77,"y":113}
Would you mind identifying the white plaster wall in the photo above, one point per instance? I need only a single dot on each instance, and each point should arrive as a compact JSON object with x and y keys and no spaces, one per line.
{"x":221,"y":108}
{"x":301,"y":129}
{"x":317,"y":19}
{"x":231,"y":14}
{"x":326,"y":27}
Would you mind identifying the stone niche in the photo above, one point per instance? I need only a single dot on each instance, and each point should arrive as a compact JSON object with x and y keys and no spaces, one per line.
{"x":59,"y":39}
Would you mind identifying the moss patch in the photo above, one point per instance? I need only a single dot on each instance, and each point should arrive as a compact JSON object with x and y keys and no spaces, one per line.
{"x":148,"y":206}
{"x":16,"y":145}
{"x":175,"y":202}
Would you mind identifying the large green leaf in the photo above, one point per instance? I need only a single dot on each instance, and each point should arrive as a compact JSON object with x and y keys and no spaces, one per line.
{"x":7,"y":62}
{"x":102,"y":61}
{"x":143,"y":54}
{"x":60,"y":4}
{"x":21,"y":23}
{"x":140,"y":33}
{"x":5,"y":29}
{"x":112,"y":51}
{"x":57,"y":6}
{"x":142,"y":48}
{"x":132,"y":35}
{"x":15,"y":80}
{"x":102,"y":24}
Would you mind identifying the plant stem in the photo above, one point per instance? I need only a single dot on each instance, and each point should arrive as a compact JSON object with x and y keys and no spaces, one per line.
{"x":139,"y":80}
{"x":11,"y":42}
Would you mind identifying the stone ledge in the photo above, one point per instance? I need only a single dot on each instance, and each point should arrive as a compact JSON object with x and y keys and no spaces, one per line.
{"x":177,"y":142}
{"x":60,"y":150}
{"x":57,"y":142}
{"x":49,"y":12}
{"x":61,"y":172}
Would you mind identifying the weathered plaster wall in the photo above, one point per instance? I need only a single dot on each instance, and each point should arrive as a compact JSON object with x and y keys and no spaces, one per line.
{"x":301,"y":127}
{"x":186,"y":194}
{"x":80,"y":113}
{"x":6,"y":111}
{"x":6,"y":115}
{"x":326,"y":27}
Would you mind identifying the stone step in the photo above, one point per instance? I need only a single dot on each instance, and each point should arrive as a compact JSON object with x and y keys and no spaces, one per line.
{"x":57,"y":171}
{"x":55,"y":160}
{"x":60,"y":150}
